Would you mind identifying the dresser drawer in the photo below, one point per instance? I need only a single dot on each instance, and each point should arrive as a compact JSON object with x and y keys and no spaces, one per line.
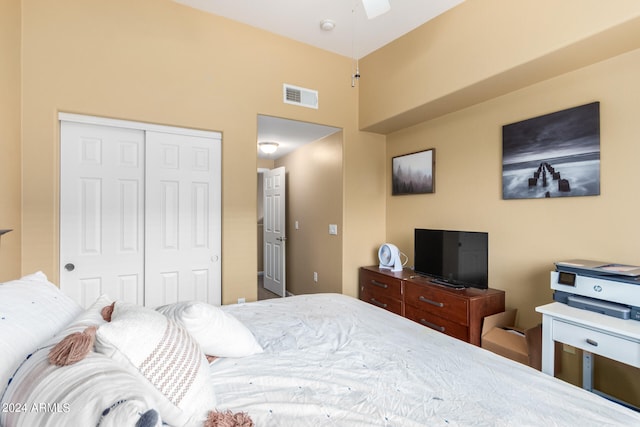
{"x":438,"y":302}
{"x":380,"y":300}
{"x":380,"y":284}
{"x":432,"y":321}
{"x":596,"y":342}
{"x":381,"y":290}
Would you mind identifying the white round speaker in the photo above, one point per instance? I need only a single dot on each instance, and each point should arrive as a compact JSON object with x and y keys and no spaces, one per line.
{"x":389,"y":257}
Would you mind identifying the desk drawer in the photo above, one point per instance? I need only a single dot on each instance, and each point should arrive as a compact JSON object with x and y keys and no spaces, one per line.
{"x":597,"y":342}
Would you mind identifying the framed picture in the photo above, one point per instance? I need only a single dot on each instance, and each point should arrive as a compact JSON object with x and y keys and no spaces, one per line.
{"x":413,"y":173}
{"x":555,"y":155}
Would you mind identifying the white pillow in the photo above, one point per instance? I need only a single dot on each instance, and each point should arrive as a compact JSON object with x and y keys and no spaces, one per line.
{"x":166,"y":358}
{"x":95,"y":390}
{"x":32,"y":310}
{"x":218,"y":333}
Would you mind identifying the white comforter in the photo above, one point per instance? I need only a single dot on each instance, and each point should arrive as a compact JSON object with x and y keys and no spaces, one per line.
{"x":333,"y":360}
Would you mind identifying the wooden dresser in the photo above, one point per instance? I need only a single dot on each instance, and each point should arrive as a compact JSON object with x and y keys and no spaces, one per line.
{"x":455,"y":312}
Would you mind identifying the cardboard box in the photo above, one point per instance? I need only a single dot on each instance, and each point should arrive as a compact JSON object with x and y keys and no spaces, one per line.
{"x":501,"y":336}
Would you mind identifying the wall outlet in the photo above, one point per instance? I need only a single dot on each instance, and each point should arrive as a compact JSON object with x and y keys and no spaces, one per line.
{"x":315,"y":276}
{"x":333,"y":229}
{"x":241,"y":300}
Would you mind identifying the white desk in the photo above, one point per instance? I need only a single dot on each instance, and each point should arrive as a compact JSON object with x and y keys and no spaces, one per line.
{"x":594,"y":333}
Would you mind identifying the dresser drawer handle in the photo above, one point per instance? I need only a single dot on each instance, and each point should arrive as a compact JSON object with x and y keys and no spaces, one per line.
{"x":428,"y":301}
{"x":432,"y":325}
{"x":378,"y":303}
{"x":592,"y":342}
{"x":379,"y":284}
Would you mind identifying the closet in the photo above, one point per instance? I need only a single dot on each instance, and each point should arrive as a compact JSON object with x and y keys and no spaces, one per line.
{"x":140,"y":209}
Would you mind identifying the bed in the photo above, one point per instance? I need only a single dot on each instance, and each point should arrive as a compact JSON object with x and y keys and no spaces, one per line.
{"x":325,"y":359}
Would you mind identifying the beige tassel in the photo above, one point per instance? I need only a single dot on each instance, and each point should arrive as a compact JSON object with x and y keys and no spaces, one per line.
{"x":107,"y":311}
{"x":73,"y":348}
{"x":228,"y":419}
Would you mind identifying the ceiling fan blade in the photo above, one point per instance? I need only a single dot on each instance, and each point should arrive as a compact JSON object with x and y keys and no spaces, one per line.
{"x":375,"y":8}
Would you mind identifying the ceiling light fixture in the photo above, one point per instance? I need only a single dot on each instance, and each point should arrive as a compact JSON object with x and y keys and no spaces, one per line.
{"x":327,"y":25}
{"x":268,"y":147}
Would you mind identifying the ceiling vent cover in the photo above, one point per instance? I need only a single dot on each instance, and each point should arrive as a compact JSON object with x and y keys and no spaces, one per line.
{"x":300,"y":96}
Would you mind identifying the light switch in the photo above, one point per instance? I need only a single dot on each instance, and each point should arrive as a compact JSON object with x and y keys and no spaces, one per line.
{"x":333,"y":229}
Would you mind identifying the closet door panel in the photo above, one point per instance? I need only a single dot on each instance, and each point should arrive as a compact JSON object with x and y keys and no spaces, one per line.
{"x":182,"y":219}
{"x":101,"y":212}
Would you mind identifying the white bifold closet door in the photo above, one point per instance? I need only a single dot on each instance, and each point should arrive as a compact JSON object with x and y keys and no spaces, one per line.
{"x":139,"y":212}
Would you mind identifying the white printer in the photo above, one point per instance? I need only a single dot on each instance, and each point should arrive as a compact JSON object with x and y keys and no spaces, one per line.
{"x":607,"y":288}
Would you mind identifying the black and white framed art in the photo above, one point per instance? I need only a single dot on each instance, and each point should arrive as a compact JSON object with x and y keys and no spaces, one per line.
{"x":554,"y":155}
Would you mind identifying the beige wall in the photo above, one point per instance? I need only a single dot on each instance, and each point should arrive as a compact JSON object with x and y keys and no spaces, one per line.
{"x":527,"y":236}
{"x":314,"y":200}
{"x":160,"y":62}
{"x":363,"y":191}
{"x":10,"y":105}
{"x":485,"y":48}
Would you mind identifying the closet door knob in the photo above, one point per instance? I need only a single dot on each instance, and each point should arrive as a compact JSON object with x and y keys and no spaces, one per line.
{"x":69,"y":267}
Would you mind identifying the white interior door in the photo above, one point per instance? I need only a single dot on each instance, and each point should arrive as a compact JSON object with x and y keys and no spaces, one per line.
{"x":274,"y":188}
{"x":101,"y":212}
{"x":182,"y":219}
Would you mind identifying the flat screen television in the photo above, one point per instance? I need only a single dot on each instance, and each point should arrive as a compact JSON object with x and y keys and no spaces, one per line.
{"x":453,"y":258}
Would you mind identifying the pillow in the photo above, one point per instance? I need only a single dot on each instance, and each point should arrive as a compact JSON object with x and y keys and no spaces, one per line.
{"x":94,"y":391}
{"x":165,"y":357}
{"x":218,"y":333}
{"x":32,"y":310}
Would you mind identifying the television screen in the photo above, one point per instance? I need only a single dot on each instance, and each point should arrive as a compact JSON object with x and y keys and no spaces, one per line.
{"x":456,"y":258}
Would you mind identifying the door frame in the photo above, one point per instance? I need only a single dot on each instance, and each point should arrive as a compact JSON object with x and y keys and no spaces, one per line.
{"x":104,"y":121}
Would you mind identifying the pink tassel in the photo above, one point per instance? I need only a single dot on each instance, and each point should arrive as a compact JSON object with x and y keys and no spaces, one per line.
{"x":228,"y":419}
{"x":73,"y":348}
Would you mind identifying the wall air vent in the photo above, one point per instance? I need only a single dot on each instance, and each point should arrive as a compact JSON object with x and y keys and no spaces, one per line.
{"x":300,"y":96}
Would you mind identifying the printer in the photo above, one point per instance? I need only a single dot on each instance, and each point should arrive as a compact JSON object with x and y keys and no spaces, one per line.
{"x":607,"y":288}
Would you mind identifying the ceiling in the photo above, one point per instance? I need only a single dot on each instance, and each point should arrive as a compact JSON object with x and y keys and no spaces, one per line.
{"x":353,"y":36}
{"x":289,"y":134}
{"x":300,"y":20}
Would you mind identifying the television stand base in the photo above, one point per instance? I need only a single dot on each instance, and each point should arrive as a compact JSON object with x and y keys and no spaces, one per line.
{"x":438,"y":281}
{"x":445,"y":283}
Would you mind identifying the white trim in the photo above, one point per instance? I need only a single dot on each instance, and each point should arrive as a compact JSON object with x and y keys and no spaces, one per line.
{"x":103,"y":121}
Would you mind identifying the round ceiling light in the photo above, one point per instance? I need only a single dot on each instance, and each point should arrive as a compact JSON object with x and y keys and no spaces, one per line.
{"x":327,"y":24}
{"x":268,"y":147}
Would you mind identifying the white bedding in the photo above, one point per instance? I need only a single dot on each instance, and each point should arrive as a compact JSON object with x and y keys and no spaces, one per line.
{"x":333,"y":360}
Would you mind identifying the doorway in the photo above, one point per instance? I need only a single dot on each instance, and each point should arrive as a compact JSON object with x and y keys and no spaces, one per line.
{"x":309,"y":152}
